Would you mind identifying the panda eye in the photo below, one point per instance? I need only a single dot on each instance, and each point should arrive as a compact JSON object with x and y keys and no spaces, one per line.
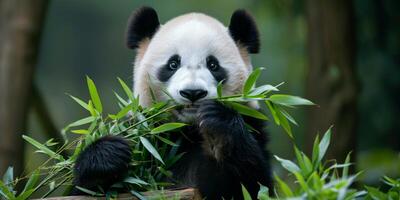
{"x":174,"y":62}
{"x":212,"y":63}
{"x":173,"y":65}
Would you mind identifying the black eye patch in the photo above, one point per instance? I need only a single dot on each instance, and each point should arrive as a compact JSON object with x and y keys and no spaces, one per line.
{"x":169,"y":69}
{"x":216,"y":70}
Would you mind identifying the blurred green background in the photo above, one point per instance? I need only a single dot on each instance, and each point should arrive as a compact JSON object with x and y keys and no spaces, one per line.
{"x":87,"y":38}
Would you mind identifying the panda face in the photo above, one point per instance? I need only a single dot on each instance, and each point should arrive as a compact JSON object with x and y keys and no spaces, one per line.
{"x":188,"y":56}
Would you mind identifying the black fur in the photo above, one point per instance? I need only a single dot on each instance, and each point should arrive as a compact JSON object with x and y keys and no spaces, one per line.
{"x":220,"y":155}
{"x":165,"y":72}
{"x":102,"y":163}
{"x":243,"y":30}
{"x":242,"y":158}
{"x":219,"y":73}
{"x":142,"y":24}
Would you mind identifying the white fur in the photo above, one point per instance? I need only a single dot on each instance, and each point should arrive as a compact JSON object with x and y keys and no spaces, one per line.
{"x":193,"y":37}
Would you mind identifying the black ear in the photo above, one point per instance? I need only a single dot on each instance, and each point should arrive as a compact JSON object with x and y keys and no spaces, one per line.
{"x":142,"y":24}
{"x":244,"y":30}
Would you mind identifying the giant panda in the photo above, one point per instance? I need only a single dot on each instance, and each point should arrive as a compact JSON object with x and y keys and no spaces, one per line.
{"x":188,"y":56}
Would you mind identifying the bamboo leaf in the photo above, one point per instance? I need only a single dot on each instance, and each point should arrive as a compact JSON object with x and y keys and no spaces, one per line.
{"x":289,"y":100}
{"x":8,"y":177}
{"x":80,"y":102}
{"x":219,"y":89}
{"x":43,"y":148}
{"x":4,"y":190}
{"x":272,"y":110}
{"x":166,"y":141}
{"x":284,"y":187}
{"x":136,"y":181}
{"x":262,"y":90}
{"x":25,"y":195}
{"x":80,"y":131}
{"x":124,"y":111}
{"x":245,"y":110}
{"x":127,"y":89}
{"x":151,"y":148}
{"x":87,"y":191}
{"x":30,"y":184}
{"x":315,"y":151}
{"x":251,"y":80}
{"x":167,"y":127}
{"x":83,"y":121}
{"x":263,"y":193}
{"x":246,"y":194}
{"x":289,"y":165}
{"x":284,"y":122}
{"x":323,"y":145}
{"x":94,"y":95}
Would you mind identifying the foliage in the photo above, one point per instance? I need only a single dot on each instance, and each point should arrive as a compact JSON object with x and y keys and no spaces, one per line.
{"x":154,"y":152}
{"x":314,"y":179}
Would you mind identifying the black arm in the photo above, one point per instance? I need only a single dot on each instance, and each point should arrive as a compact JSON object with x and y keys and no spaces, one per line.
{"x":233,"y":156}
{"x":102,"y":164}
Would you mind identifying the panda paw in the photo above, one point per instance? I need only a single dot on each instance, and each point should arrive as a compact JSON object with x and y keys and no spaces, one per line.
{"x":102,"y":163}
{"x":214,"y":117}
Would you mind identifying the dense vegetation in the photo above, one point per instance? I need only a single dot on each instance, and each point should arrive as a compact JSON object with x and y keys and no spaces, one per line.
{"x":148,"y":130}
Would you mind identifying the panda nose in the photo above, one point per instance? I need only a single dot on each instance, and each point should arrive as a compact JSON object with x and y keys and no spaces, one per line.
{"x":193,"y":95}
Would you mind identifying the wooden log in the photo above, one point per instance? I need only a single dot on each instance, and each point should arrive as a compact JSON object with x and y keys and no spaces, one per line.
{"x":184,"y":194}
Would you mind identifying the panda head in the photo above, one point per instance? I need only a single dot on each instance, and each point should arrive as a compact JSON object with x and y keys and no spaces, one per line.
{"x":189,"y":55}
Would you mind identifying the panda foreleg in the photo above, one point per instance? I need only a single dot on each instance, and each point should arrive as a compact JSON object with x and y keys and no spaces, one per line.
{"x":234,"y":156}
{"x":102,"y":164}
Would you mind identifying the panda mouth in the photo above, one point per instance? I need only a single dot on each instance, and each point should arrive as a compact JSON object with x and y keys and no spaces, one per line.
{"x":190,"y":108}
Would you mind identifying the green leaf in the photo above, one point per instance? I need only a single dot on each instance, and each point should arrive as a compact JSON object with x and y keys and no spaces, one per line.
{"x":167,"y":127}
{"x":122,"y":113}
{"x":289,"y":165}
{"x":136,"y":181}
{"x":138,"y":195}
{"x":315,"y":152}
{"x":263,"y":193}
{"x":80,"y":131}
{"x":8,"y":177}
{"x":83,"y":121}
{"x":300,"y":160}
{"x":375,"y":193}
{"x":323,"y":145}
{"x":31,"y":181}
{"x":284,"y":122}
{"x":92,"y":111}
{"x":262,"y":90}
{"x":120,"y":99}
{"x":127,"y":89}
{"x":245,"y":110}
{"x":284,"y":187}
{"x":346,"y":168}
{"x":289,"y":100}
{"x":219,"y":89}
{"x":272,"y":110}
{"x":166,"y":141}
{"x":25,"y":195}
{"x":43,"y":148}
{"x":307,"y":164}
{"x":94,"y":95}
{"x":87,"y":191}
{"x":151,"y":148}
{"x":246,"y":194}
{"x":251,"y":80}
{"x":4,"y":190}
{"x":288,"y":116}
{"x":300,"y":180}
{"x":80,"y":102}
